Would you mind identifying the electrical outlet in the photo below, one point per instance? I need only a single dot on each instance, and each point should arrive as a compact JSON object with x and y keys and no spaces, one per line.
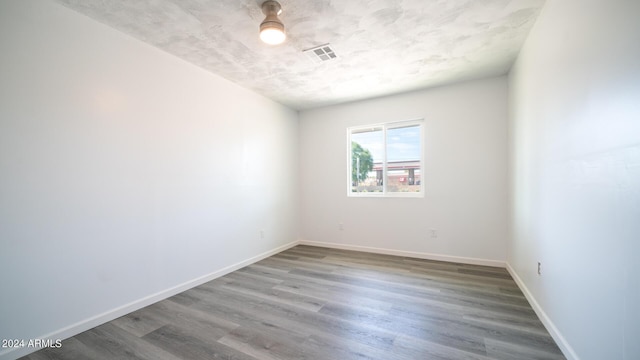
{"x":434,"y":233}
{"x":340,"y":226}
{"x":539,"y":268}
{"x":261,"y":234}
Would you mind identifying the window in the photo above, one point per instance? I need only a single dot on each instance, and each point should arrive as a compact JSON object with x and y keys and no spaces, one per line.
{"x":385,"y":159}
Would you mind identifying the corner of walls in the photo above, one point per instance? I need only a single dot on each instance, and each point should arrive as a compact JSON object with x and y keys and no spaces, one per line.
{"x":562,"y":343}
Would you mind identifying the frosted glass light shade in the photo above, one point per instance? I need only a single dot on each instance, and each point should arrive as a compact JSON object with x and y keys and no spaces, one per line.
{"x":272,"y":36}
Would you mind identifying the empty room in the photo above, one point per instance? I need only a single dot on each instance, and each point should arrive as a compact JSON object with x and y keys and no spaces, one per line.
{"x":320,"y":179}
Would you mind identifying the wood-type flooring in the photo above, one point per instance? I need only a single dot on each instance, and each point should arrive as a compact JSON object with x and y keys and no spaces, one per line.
{"x":318,"y":303}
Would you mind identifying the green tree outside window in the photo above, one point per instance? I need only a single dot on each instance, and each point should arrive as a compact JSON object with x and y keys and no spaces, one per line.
{"x":361,"y":163}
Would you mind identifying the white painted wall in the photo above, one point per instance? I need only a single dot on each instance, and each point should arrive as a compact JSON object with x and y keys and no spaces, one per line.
{"x":125,"y":171}
{"x":465,"y":175}
{"x":575,"y":174}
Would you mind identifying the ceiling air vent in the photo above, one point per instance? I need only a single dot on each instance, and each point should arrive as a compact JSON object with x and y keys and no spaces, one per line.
{"x":320,"y":53}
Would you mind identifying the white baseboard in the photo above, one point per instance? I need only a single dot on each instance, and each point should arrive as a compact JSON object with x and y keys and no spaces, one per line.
{"x":84,"y":325}
{"x":413,"y":254}
{"x":567,"y":350}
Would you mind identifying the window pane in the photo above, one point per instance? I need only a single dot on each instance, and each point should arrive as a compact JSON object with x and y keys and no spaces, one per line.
{"x":403,"y":159}
{"x":367,"y":151}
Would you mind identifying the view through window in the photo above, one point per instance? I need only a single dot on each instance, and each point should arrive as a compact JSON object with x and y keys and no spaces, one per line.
{"x":386,"y":159}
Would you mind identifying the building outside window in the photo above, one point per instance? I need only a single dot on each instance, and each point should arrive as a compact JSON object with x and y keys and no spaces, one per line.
{"x":386,"y":159}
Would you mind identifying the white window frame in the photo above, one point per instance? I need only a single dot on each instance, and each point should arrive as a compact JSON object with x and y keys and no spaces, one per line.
{"x":385,"y":127}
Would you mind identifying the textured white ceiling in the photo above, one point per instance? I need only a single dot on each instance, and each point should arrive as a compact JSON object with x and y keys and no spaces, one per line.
{"x":383,"y":46}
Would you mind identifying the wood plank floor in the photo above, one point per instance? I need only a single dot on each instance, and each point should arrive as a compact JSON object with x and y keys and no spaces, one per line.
{"x":316,"y":303}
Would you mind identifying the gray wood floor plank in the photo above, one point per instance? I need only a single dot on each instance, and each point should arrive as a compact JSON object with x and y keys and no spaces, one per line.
{"x":529,"y":324}
{"x":418,"y":348}
{"x":297,"y":300}
{"x":337,"y":294}
{"x":265,"y":345}
{"x":110,"y":342}
{"x":507,"y":351}
{"x":333,"y":346}
{"x":327,"y":304}
{"x":181,"y":343}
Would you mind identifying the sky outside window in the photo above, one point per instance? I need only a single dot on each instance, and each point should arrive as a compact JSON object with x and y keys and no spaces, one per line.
{"x":403,"y":143}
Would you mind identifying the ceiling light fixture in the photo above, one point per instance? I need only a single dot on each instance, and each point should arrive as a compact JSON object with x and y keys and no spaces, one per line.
{"x":271,"y":28}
